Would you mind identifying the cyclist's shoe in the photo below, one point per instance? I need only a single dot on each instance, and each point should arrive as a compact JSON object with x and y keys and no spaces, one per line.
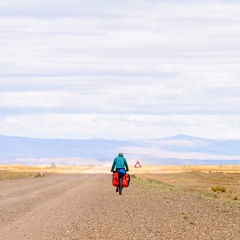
{"x":117,"y":189}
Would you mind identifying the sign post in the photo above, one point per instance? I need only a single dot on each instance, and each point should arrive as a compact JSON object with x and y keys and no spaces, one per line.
{"x":137,"y":166}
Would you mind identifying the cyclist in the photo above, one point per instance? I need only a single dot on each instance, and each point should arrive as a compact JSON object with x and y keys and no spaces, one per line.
{"x":120,"y":162}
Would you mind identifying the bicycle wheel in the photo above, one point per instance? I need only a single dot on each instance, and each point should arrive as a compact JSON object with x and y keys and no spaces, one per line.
{"x":120,"y":186}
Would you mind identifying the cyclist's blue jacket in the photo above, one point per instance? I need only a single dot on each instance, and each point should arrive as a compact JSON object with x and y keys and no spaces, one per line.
{"x":119,"y":162}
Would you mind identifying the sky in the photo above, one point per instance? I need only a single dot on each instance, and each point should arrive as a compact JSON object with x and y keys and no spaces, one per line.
{"x":119,"y":69}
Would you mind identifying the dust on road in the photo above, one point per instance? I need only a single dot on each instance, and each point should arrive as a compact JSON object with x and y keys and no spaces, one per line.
{"x":86,"y":206}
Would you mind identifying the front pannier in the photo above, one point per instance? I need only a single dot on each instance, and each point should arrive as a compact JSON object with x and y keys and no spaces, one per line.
{"x":126,"y":180}
{"x":115,"y":179}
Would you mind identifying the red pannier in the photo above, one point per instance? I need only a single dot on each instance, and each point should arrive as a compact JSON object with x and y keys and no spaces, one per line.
{"x":126,"y":180}
{"x":115,"y":179}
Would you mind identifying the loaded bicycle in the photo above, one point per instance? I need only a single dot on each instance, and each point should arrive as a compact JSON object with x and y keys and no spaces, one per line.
{"x":120,"y":178}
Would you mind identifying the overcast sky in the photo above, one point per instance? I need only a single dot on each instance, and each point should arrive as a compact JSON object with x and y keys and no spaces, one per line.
{"x":119,"y":69}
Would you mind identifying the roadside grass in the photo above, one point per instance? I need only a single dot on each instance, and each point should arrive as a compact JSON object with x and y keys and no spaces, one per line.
{"x":205,"y":194}
{"x":218,"y":193}
{"x":15,"y":171}
{"x":148,"y":183}
{"x":8,"y":175}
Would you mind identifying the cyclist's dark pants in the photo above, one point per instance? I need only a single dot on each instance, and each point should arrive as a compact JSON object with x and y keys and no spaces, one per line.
{"x":120,"y":175}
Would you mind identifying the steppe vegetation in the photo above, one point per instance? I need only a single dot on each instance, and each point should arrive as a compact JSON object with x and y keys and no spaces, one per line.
{"x":6,"y":175}
{"x":15,"y":171}
{"x":218,"y":189}
{"x":212,"y":182}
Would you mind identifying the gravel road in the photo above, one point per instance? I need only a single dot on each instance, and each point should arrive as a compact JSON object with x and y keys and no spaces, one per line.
{"x":86,"y":206}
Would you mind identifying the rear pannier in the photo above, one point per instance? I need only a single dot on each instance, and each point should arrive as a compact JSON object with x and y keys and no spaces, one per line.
{"x":126,"y":180}
{"x":115,"y":179}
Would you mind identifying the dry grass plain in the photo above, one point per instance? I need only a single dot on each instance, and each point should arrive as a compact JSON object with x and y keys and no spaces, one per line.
{"x":15,"y":171}
{"x":220,"y":182}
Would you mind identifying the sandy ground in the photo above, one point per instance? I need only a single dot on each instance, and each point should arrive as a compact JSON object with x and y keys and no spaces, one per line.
{"x":86,"y":206}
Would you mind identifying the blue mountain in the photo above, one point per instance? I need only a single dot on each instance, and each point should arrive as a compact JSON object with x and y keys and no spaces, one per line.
{"x":14,"y":148}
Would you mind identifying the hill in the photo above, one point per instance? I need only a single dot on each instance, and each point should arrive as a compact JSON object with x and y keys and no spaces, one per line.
{"x":179,"y":149}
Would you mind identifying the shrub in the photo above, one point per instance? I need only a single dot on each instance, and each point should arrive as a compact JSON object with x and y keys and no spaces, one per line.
{"x":218,"y":189}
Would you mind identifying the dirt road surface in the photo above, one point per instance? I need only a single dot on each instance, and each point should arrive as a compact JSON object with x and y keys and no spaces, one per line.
{"x":85,"y":206}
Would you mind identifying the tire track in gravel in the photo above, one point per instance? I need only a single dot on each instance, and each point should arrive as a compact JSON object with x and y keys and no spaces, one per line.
{"x":85,"y":206}
{"x":25,"y":198}
{"x":25,"y":186}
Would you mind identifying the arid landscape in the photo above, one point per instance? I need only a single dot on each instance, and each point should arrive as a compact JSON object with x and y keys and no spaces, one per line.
{"x":86,"y":85}
{"x":165,"y":202}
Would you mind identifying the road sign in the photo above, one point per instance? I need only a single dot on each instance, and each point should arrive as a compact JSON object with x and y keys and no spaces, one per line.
{"x":137,"y":165}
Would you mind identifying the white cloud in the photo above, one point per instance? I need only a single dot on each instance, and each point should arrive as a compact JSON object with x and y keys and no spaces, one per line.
{"x":118,"y":126}
{"x":154,"y":68}
{"x":154,"y":152}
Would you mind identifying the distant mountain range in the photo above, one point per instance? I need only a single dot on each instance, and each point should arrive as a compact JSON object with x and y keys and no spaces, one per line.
{"x":179,"y":149}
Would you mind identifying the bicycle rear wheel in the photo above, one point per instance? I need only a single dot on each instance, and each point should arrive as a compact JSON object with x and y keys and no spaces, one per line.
{"x":120,"y":186}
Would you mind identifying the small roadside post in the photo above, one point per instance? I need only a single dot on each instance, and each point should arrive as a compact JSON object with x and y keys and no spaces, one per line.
{"x":137,"y":166}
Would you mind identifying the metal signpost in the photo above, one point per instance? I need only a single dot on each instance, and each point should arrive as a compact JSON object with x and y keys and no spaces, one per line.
{"x":137,"y":166}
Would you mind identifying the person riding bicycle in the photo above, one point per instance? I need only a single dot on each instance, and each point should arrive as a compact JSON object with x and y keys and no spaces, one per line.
{"x":120,"y":162}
